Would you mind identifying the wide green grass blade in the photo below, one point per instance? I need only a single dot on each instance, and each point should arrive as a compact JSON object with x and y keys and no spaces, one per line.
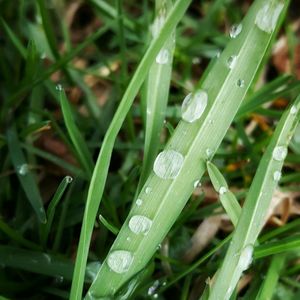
{"x":78,"y":141}
{"x":256,"y":205}
{"x":227,"y":198}
{"x":102,"y":165}
{"x":157,"y":86}
{"x":270,"y":282}
{"x":164,"y":199}
{"x":25,"y":175}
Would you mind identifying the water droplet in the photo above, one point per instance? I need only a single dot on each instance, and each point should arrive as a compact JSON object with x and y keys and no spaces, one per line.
{"x":152,"y":289}
{"x":69,"y":179}
{"x":148,"y":190}
{"x":196,"y":60}
{"x":167,"y":164}
{"x":140,"y":224}
{"x":218,"y":54}
{"x":162,"y":57}
{"x":59,"y":279}
{"x":92,"y":269}
{"x":59,"y":87}
{"x":222,"y":190}
{"x":208,"y":152}
{"x":155,"y":296}
{"x":120,"y":261}
{"x":235,"y":30}
{"x":157,"y":25}
{"x":23,"y":169}
{"x":193,"y":106}
{"x":43,"y":55}
{"x":240,"y":83}
{"x":231,"y":61}
{"x":139,"y":202}
{"x":277,"y":175}
{"x":246,"y":258}
{"x":293,"y":110}
{"x":280,"y":153}
{"x":196,"y":183}
{"x":268,"y":15}
{"x":128,"y":239}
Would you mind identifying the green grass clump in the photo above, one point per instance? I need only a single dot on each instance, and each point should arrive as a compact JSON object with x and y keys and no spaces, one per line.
{"x":136,"y":133}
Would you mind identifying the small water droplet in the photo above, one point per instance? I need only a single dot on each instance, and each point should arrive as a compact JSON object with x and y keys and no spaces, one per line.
{"x":193,"y":106}
{"x":148,"y":190}
{"x":222,"y":190}
{"x":240,"y":83}
{"x":69,"y":179}
{"x":155,"y":296}
{"x":231,"y":61}
{"x":268,"y":15}
{"x":140,"y":224}
{"x":235,"y":30}
{"x":23,"y":169}
{"x":208,"y":152}
{"x":196,"y":60}
{"x":43,"y":55}
{"x":128,"y":239}
{"x":59,"y":279}
{"x":218,"y":54}
{"x":293,"y":110}
{"x":245,"y":258}
{"x":167,"y":164}
{"x":196,"y":183}
{"x":47,"y":258}
{"x":152,"y":289}
{"x":139,"y":202}
{"x":277,"y":175}
{"x":279,"y":153}
{"x":59,"y":87}
{"x":157,"y":25}
{"x":211,"y":122}
{"x":162,"y":57}
{"x":119,"y":261}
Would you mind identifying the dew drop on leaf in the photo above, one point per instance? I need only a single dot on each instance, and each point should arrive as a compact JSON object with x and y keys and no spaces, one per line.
{"x":193,"y":106}
{"x":293,"y":110}
{"x":139,"y":202}
{"x":148,"y":190}
{"x":240,"y":83}
{"x":235,"y":30}
{"x":140,"y":224}
{"x":231,"y":61}
{"x":120,"y":261}
{"x":279,"y":153}
{"x":277,"y":175}
{"x":167,"y":164}
{"x":162,"y":57}
{"x":222,"y":190}
{"x":245,"y":258}
{"x":23,"y":169}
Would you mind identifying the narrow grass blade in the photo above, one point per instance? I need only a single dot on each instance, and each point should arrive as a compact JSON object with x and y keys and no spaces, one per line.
{"x":192,"y":144}
{"x":101,"y":169}
{"x":270,"y":282}
{"x":227,"y":198}
{"x":109,"y":226}
{"x":157,"y":88}
{"x":256,"y":206}
{"x":25,"y":175}
{"x":52,"y":207}
{"x":79,"y":143}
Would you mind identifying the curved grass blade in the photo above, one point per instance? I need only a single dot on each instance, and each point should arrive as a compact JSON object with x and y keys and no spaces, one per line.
{"x":156,"y":94}
{"x":163,"y":199}
{"x":79,"y":143}
{"x":52,"y":206}
{"x":101,"y":169}
{"x":25,"y":175}
{"x":227,"y":198}
{"x":256,"y":205}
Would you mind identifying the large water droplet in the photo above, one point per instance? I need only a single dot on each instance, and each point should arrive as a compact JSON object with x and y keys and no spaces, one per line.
{"x":162,"y":57}
{"x":139,"y":202}
{"x":240,"y":83}
{"x":120,"y":261}
{"x":280,"y":153}
{"x":193,"y":106}
{"x":167,"y":164}
{"x":277,"y":175}
{"x":245,"y":258}
{"x":235,"y":30}
{"x":268,"y":15}
{"x":222,"y":190}
{"x":231,"y":61}
{"x":23,"y":169}
{"x":140,"y":224}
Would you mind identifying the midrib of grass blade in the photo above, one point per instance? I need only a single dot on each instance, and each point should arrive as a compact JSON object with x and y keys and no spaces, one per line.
{"x":255,"y":207}
{"x":79,"y":143}
{"x":25,"y":176}
{"x":157,"y":87}
{"x":101,"y":169}
{"x":168,"y":197}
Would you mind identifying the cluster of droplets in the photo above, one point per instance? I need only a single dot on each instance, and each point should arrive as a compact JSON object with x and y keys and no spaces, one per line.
{"x":266,"y":18}
{"x":194,"y":105}
{"x":167,"y":164}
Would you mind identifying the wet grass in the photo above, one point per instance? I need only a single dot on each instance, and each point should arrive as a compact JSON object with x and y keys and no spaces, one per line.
{"x":79,"y":78}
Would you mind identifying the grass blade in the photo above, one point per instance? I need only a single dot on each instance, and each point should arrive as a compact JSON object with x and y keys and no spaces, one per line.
{"x":25,"y":175}
{"x":193,"y":143}
{"x":101,"y":169}
{"x":256,"y":205}
{"x":79,"y":143}
{"x":227,"y":198}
